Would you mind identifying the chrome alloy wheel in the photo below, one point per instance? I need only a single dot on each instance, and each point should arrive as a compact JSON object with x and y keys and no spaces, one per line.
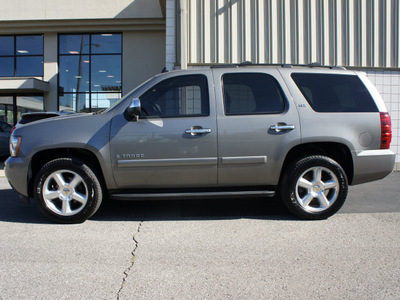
{"x":65,"y":192}
{"x":317,"y":189}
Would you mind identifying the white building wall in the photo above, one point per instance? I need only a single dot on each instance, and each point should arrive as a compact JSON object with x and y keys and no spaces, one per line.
{"x":354,"y":33}
{"x":26,"y":10}
{"x":388,"y":85}
{"x":170,"y":35}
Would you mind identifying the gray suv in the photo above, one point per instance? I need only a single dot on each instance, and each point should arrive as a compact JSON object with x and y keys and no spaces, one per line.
{"x":301,"y":133}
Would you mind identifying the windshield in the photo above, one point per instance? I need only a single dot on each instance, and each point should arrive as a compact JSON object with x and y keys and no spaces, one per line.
{"x":126,"y":96}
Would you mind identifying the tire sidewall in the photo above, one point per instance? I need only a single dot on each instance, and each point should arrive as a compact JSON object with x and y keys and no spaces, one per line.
{"x":289,"y":182}
{"x":92,"y":183}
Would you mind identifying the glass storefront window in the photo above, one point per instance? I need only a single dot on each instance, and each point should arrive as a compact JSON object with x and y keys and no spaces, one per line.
{"x":106,"y":43}
{"x":6,"y":66}
{"x":90,"y":71}
{"x":6,"y":45}
{"x":106,"y":73}
{"x":29,"y":66}
{"x":74,"y":73}
{"x":74,"y":44}
{"x":29,"y":45}
{"x":6,"y":109}
{"x":78,"y":101}
{"x":21,"y":56}
{"x":12,"y":107}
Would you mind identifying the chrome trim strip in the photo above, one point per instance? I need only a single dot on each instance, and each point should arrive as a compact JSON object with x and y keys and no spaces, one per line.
{"x":244,"y":160}
{"x":174,"y":162}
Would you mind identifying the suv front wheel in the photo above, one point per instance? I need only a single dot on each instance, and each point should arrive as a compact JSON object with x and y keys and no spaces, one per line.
{"x":314,"y":187}
{"x":67,"y":190}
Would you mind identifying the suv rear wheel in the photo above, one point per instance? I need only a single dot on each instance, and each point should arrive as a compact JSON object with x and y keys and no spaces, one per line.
{"x":67,"y":190}
{"x":314,"y":188}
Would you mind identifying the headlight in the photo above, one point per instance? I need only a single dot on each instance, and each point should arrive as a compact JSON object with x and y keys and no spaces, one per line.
{"x":15,"y":142}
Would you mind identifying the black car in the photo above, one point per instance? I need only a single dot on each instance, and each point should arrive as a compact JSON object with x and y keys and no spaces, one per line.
{"x":40,"y":115}
{"x":5,"y":131}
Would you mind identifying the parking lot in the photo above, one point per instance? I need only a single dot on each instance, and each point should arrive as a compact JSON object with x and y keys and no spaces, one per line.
{"x":220,"y":249}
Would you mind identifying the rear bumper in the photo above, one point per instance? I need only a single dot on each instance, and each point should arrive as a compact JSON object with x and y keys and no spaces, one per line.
{"x":372,"y":165}
{"x":16,"y":171}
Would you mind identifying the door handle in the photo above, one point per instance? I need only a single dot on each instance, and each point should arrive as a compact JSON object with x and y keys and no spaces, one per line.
{"x":282,"y":127}
{"x":195,"y":130}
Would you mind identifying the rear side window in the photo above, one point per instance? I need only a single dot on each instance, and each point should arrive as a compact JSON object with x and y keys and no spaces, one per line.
{"x":252,"y":93}
{"x":335,"y":93}
{"x":180,"y":96}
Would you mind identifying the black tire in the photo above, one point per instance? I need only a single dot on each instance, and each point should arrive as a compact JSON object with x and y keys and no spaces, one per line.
{"x":67,"y":191}
{"x":314,"y":188}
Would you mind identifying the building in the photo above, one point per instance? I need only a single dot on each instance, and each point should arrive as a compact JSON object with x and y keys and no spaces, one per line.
{"x":80,"y":55}
{"x":85,"y":54}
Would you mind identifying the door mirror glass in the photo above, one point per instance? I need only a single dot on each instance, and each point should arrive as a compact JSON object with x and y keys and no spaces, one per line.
{"x":132,"y":112}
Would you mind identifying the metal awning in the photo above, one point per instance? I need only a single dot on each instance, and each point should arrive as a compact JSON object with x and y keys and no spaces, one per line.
{"x":23,"y":86}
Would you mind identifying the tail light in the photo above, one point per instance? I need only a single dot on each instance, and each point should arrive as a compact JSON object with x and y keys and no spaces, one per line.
{"x":386,"y":130}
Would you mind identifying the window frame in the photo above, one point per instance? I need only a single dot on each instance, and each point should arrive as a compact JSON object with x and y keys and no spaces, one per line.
{"x":15,"y":55}
{"x":90,"y":54}
{"x":278,"y":85}
{"x":207,"y":96}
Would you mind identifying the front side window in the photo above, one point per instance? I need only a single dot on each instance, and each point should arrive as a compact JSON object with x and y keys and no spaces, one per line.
{"x":335,"y":93}
{"x":21,"y":56}
{"x":252,"y":93}
{"x":90,"y":71}
{"x":179,"y":96}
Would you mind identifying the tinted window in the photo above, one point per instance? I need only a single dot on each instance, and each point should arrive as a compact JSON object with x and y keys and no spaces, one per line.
{"x":252,"y":93}
{"x":177,"y":97}
{"x":335,"y":93}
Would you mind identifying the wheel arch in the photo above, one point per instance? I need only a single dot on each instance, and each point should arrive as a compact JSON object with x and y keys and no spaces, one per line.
{"x":39,"y":159}
{"x":336,"y":151}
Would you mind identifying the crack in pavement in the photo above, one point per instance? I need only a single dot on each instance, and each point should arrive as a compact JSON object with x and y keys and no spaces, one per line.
{"x":126,"y":272}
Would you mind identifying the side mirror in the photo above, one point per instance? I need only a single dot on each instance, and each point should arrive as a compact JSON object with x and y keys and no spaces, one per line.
{"x":132,"y":112}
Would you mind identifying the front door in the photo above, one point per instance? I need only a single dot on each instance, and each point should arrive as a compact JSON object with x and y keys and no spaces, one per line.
{"x":174,"y":143}
{"x":257,"y":126}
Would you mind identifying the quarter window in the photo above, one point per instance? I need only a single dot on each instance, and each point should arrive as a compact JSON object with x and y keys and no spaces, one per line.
{"x":252,"y":93}
{"x":179,"y":96}
{"x":335,"y":93}
{"x":21,"y":56}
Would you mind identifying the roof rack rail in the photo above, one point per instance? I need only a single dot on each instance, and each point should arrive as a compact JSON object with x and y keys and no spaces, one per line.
{"x":223,"y":66}
{"x":251,"y":64}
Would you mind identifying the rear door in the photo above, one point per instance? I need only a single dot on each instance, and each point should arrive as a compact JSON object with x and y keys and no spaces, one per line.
{"x":257,"y":125}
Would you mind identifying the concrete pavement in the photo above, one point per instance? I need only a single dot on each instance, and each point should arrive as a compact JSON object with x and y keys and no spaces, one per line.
{"x":242,"y":249}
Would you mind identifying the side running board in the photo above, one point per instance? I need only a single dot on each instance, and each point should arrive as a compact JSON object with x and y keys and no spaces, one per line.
{"x":192,"y":195}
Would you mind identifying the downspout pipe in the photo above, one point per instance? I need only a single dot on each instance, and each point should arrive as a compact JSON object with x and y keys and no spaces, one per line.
{"x":184,"y":37}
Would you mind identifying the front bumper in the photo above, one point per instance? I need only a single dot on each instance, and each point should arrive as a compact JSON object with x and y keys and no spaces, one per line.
{"x":372,"y":165}
{"x":16,"y":170}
